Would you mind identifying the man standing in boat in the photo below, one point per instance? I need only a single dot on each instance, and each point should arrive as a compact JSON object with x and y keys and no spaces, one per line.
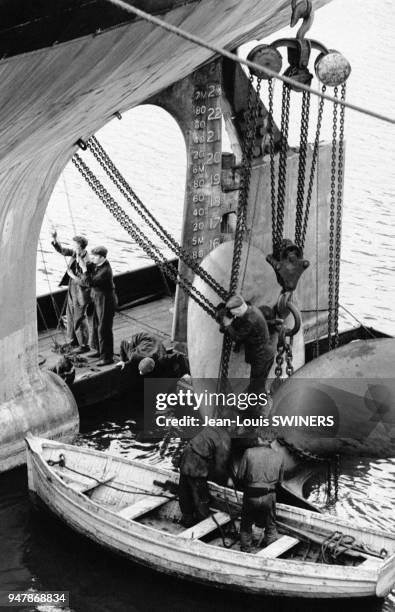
{"x":246,"y":324}
{"x":260,"y":470}
{"x":98,"y":276}
{"x":78,"y":296}
{"x":206,"y":457}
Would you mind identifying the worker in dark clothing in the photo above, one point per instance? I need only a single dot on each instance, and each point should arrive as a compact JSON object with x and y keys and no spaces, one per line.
{"x":142,"y":347}
{"x":247,"y":325}
{"x":260,"y":470}
{"x":145,"y":356}
{"x":98,"y":276}
{"x":206,"y":457}
{"x":78,"y":296}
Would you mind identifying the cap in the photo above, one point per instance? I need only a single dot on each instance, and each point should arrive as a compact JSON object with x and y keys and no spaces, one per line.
{"x":235,"y":302}
{"x":146,"y":365}
{"x":100,"y":250}
{"x":81,"y":240}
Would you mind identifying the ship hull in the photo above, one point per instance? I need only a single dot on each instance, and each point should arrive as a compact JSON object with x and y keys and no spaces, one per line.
{"x":51,"y":97}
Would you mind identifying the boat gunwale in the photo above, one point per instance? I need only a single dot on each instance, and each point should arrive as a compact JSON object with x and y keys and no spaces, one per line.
{"x":197,"y":548}
{"x":315,"y":516}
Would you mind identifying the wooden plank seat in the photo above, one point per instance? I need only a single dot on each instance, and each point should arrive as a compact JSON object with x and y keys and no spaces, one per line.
{"x":204,"y":527}
{"x":144,"y":505}
{"x":278,"y":547}
{"x":85,"y":487}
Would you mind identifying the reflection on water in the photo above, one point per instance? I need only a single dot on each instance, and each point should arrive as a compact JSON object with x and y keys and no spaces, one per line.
{"x":38,"y":552}
{"x":149,"y":150}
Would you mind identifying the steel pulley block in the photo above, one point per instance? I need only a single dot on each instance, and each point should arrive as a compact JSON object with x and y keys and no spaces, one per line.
{"x":301,"y":75}
{"x":332,"y":68}
{"x":267,"y":57}
{"x":288,"y":264}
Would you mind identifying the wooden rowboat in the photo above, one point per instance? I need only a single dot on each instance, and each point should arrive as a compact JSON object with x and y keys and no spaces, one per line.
{"x":130,"y":507}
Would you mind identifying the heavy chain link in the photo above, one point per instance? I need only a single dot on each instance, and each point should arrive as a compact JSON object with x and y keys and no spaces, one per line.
{"x":304,"y":132}
{"x":131,"y":197}
{"x":245,"y":176}
{"x":272,"y":163}
{"x":331,"y":275}
{"x":141,"y":239}
{"x":339,"y":217}
{"x":284,"y":348}
{"x":305,"y":455}
{"x":314,"y":160}
{"x":282,"y":167}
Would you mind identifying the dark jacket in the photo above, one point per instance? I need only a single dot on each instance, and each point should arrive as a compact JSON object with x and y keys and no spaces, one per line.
{"x":261,"y":466}
{"x":142,"y":345}
{"x":207,"y":455}
{"x":75,"y":268}
{"x":251,"y":330}
{"x":99,"y":279}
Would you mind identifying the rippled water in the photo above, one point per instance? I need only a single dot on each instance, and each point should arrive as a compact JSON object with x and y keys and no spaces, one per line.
{"x":149,"y":149}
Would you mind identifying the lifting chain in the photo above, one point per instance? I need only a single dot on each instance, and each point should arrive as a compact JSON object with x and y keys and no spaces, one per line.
{"x":304,"y":132}
{"x":339,"y":217}
{"x":305,"y":455}
{"x":272,"y":162}
{"x":129,"y":194}
{"x":284,"y":307}
{"x":282,"y":170}
{"x":245,"y":176}
{"x":335,"y":222}
{"x":141,"y":239}
{"x":312,"y":170}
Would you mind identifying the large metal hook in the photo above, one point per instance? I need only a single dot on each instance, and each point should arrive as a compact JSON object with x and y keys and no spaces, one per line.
{"x":302,"y":9}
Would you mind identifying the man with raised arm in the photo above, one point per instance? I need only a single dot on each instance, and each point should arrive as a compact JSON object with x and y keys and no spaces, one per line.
{"x":78,"y":295}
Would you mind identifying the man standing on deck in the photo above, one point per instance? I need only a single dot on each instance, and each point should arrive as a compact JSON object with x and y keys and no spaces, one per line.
{"x":206,"y":457}
{"x":78,"y":296}
{"x":247,"y":325}
{"x":98,"y":276}
{"x":260,"y":470}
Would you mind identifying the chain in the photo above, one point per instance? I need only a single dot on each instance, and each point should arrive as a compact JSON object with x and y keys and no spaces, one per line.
{"x":282,"y":166}
{"x":120,"y":182}
{"x":272,"y":161}
{"x":299,"y":452}
{"x":339,"y":217}
{"x":141,"y":239}
{"x":279,"y":361}
{"x":248,"y":145}
{"x":314,"y":160}
{"x":304,"y":130}
{"x":245,"y":175}
{"x":331,"y":288}
{"x":288,"y":357}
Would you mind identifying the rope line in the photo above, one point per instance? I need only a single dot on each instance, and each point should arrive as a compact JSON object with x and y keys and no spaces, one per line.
{"x":221,"y":51}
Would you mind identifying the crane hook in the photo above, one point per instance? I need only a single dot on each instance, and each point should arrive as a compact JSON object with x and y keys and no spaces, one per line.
{"x":302,"y":9}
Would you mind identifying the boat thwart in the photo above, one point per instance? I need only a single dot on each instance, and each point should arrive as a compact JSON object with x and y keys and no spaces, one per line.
{"x":130,"y":507}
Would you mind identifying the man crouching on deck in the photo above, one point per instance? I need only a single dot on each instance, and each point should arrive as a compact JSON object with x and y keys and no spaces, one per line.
{"x":260,"y":470}
{"x":206,"y":457}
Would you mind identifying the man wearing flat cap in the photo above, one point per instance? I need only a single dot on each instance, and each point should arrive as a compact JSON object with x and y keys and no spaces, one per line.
{"x":98,"y":276}
{"x":141,"y":353}
{"x":247,"y":325}
{"x":78,"y":295}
